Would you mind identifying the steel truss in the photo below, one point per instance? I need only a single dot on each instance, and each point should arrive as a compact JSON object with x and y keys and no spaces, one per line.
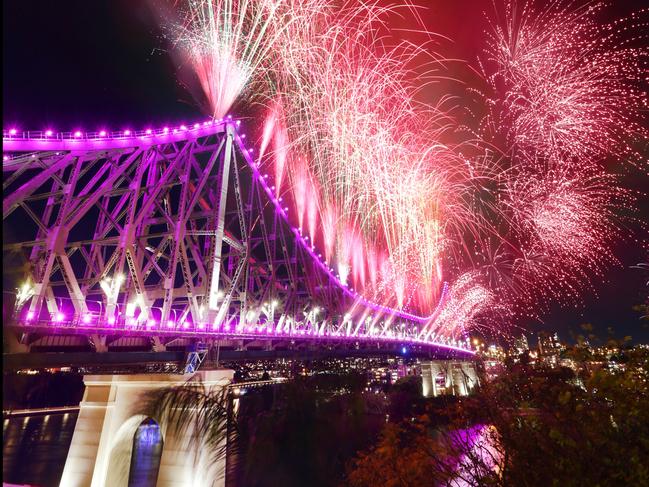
{"x":173,"y":233}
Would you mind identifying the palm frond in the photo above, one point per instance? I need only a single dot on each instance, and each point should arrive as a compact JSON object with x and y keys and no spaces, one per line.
{"x":205,"y":413}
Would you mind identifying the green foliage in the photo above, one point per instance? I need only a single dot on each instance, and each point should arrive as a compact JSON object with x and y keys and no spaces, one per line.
{"x":308,"y":432}
{"x":543,"y":431}
{"x":205,"y":412}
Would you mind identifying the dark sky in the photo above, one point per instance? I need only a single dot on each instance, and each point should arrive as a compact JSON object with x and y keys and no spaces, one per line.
{"x":79,"y":64}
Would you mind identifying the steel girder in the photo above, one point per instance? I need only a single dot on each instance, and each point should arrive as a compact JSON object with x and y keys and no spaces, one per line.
{"x":174,"y":234}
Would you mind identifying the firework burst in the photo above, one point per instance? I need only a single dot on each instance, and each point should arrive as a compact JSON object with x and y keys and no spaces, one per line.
{"x":528,"y":218}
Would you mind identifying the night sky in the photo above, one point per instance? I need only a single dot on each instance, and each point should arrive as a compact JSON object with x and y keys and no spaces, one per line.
{"x":99,"y":64}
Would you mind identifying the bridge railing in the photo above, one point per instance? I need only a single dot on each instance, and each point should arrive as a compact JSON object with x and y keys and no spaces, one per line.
{"x":64,"y":321}
{"x":48,"y":134}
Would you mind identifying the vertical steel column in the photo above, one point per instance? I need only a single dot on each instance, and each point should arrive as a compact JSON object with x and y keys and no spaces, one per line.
{"x":215,"y":263}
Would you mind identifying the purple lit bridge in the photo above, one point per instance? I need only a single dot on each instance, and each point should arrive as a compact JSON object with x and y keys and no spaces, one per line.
{"x":165,"y":238}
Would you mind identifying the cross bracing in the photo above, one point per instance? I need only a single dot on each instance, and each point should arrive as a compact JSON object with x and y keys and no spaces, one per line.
{"x":173,"y":232}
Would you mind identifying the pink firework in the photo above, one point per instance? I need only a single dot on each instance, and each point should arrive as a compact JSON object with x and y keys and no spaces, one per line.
{"x":565,"y":102}
{"x":566,"y":87}
{"x":522,"y":216}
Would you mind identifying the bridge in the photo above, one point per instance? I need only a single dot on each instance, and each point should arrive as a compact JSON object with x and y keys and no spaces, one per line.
{"x":164,"y":238}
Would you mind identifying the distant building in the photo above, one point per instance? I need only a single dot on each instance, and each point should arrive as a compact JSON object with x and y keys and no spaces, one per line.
{"x":549,"y":348}
{"x":521,"y":345}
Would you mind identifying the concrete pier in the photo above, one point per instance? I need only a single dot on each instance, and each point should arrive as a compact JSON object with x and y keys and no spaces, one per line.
{"x":109,"y":417}
{"x":458,"y":377}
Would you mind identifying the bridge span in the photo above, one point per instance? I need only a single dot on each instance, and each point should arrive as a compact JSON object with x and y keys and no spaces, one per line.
{"x":159,"y":239}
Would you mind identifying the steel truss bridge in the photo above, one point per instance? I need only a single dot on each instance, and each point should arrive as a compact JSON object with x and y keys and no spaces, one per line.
{"x":173,"y":236}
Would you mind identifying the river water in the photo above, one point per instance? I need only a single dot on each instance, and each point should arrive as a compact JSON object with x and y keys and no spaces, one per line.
{"x":34,"y":448}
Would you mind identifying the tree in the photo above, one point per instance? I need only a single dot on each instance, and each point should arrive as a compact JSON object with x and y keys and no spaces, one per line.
{"x":531,"y":427}
{"x":203,"y":411}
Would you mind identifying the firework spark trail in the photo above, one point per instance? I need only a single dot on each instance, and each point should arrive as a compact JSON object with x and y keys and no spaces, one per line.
{"x":570,"y":86}
{"x":565,"y":102}
{"x":530,"y":218}
{"x":228,"y":43}
{"x":372,"y":149}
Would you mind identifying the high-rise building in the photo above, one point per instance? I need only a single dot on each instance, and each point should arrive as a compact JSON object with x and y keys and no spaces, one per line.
{"x":521,"y":345}
{"x":549,"y":348}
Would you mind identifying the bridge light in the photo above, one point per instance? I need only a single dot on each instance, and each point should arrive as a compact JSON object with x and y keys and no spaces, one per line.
{"x":183,"y":127}
{"x":59,"y":316}
{"x":170,"y":324}
{"x":111,"y":320}
{"x":166,"y":130}
{"x":30,"y":316}
{"x":274,"y":303}
{"x":12,"y":132}
{"x":102,"y":133}
{"x":48,"y":133}
{"x":87,"y":318}
{"x":127,"y":132}
{"x":77,"y":134}
{"x":196,"y":125}
{"x":147,"y":131}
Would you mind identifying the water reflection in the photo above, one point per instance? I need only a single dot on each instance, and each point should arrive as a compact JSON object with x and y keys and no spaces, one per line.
{"x":34,"y":448}
{"x":481,"y":454}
